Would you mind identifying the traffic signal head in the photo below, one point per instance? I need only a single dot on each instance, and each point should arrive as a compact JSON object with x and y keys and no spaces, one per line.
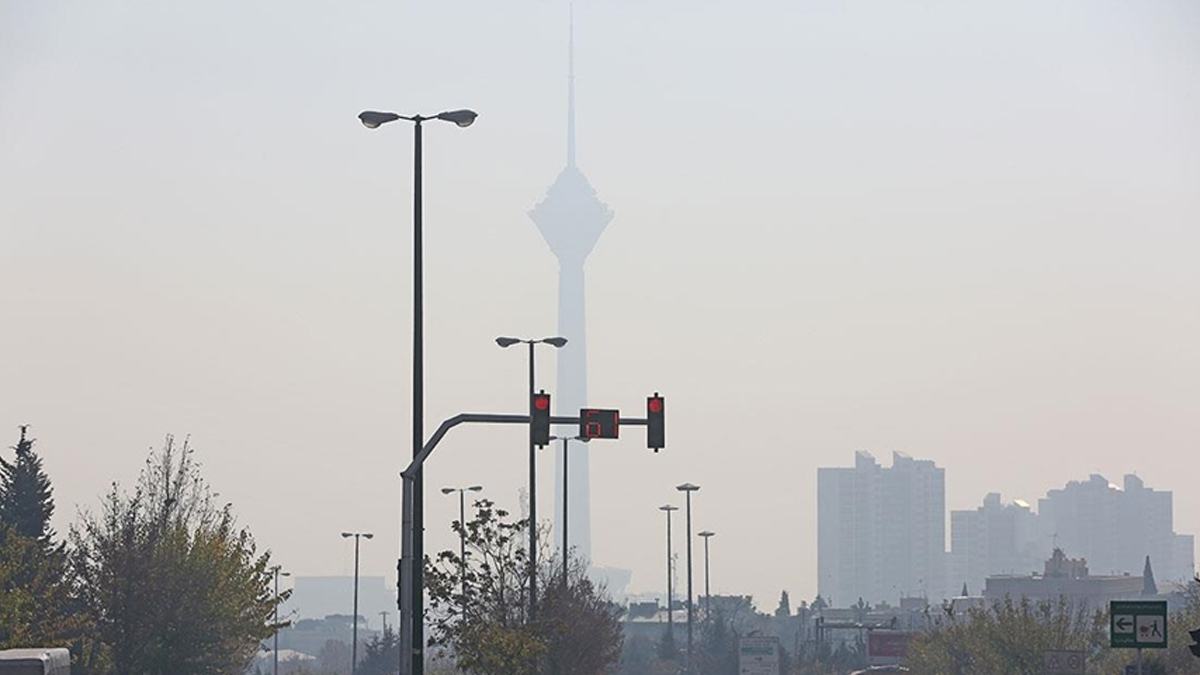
{"x":1195,"y":648}
{"x":539,"y":418}
{"x":656,"y":428}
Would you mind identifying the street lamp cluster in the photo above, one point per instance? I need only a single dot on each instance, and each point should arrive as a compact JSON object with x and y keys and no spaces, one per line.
{"x":687,"y":489}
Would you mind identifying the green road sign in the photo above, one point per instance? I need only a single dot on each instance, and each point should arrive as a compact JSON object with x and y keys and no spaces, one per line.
{"x":1137,"y":624}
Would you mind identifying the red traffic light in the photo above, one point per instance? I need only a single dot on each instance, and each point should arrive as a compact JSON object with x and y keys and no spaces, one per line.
{"x":656,"y":426}
{"x":539,"y":418}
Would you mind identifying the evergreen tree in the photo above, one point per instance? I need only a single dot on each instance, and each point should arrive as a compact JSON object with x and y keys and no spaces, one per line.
{"x":382,"y":654}
{"x":25,"y":501}
{"x":784,"y":609}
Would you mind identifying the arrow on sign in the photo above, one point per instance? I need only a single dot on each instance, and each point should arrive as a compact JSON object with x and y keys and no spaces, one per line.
{"x":1123,"y":623}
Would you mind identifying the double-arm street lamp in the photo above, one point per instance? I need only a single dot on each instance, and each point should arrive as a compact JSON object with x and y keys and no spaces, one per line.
{"x":566,"y":493}
{"x":372,"y":120}
{"x":462,"y":535}
{"x":354,"y":622}
{"x":275,"y":650}
{"x":688,"y":489}
{"x":557,"y":343}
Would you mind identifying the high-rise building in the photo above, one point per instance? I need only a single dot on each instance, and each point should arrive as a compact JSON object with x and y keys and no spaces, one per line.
{"x":1114,"y":527}
{"x":994,"y":539}
{"x":881,"y":532}
{"x":571,"y":219}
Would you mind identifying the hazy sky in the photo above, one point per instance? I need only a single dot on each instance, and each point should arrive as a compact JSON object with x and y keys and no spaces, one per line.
{"x":968,"y":231}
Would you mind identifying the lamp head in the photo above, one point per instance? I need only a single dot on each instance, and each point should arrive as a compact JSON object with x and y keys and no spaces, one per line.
{"x":507,"y":341}
{"x":687,"y":487}
{"x":463,"y":118}
{"x":557,"y":342}
{"x":475,"y":488}
{"x":347,"y":534}
{"x":668,"y":508}
{"x":448,"y":490}
{"x":368,"y":535}
{"x":372,"y":119}
{"x":706,"y":533}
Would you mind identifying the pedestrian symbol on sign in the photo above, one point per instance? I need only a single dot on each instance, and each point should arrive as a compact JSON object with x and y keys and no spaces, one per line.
{"x":1150,"y":630}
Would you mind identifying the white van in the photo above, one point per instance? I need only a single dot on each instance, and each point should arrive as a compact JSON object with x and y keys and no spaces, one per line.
{"x":55,"y":661}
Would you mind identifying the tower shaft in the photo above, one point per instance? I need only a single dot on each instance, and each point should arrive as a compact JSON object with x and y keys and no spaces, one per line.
{"x":571,"y":396}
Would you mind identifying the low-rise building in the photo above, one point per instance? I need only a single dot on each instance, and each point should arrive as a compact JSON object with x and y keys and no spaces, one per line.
{"x":1066,"y":578}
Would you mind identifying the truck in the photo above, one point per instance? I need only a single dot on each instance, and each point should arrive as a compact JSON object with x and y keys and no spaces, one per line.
{"x":39,"y":661}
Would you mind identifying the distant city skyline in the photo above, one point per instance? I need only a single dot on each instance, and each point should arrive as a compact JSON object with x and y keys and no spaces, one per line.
{"x":880,"y":532}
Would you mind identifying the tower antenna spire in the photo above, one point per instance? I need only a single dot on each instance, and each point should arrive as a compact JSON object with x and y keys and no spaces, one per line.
{"x":571,"y":86}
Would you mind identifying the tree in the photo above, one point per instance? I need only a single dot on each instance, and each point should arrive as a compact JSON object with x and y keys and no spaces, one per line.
{"x":784,"y":609}
{"x":35,"y":589}
{"x":488,"y":630}
{"x":718,"y":648}
{"x":1006,"y":637}
{"x":26,"y":503}
{"x":169,"y":580}
{"x":35,"y":594}
{"x":382,"y":654}
{"x":581,"y":626}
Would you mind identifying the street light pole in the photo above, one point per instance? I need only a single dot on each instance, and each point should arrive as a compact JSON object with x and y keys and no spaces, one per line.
{"x":707,"y":595}
{"x":462,"y":536}
{"x":275,"y":647}
{"x":556,"y":342}
{"x":566,"y":551}
{"x":670,"y":614}
{"x":688,"y":489}
{"x":373,"y":120}
{"x":354,"y":618}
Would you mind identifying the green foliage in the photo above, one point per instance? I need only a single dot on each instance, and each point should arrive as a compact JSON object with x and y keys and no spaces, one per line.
{"x":1006,"y":637}
{"x":488,"y":631}
{"x":382,"y":654}
{"x":36,"y":607}
{"x":580,"y":625}
{"x":35,"y":594}
{"x":170,"y":582}
{"x":26,"y":503}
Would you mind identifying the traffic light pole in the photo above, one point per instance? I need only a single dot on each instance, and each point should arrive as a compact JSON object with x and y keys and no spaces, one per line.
{"x":410,"y":583}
